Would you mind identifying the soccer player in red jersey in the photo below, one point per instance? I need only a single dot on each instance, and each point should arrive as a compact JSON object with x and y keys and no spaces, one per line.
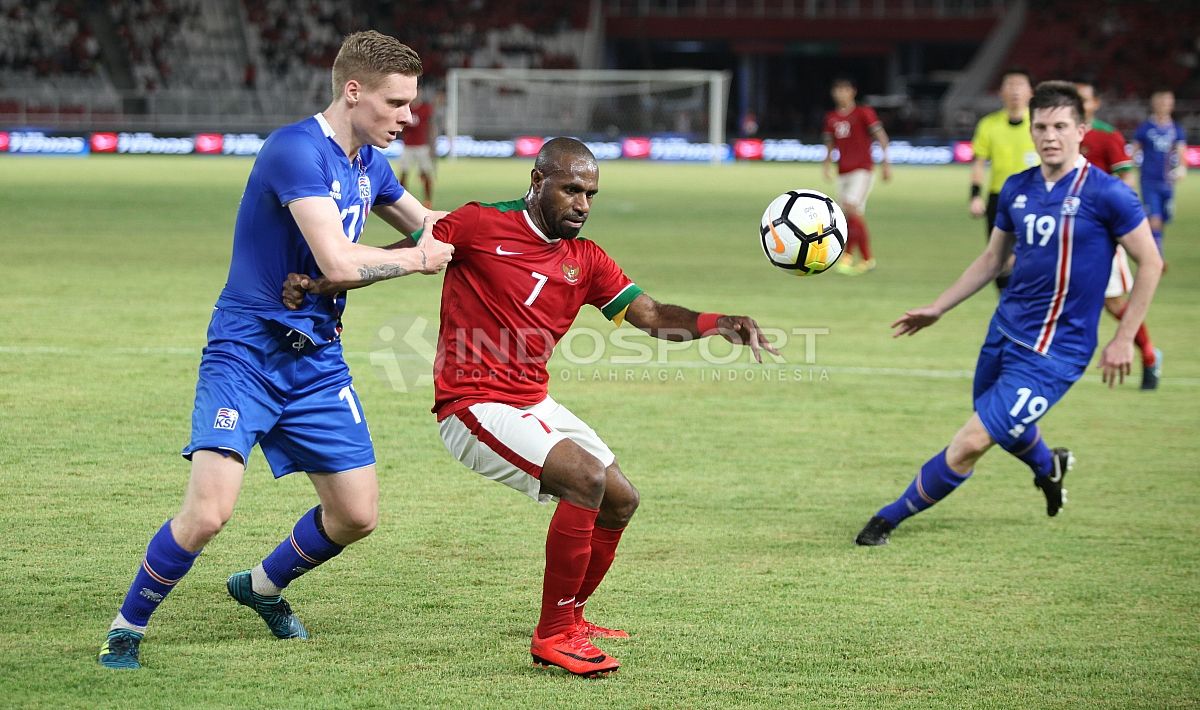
{"x":1104,"y":146}
{"x":520,"y":274}
{"x":851,"y":128}
{"x":418,"y":155}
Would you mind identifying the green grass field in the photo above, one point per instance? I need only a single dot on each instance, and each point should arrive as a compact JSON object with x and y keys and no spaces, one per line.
{"x":738,"y":577}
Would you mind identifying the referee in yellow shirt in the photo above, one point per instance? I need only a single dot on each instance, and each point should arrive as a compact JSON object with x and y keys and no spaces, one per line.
{"x":1002,"y":138}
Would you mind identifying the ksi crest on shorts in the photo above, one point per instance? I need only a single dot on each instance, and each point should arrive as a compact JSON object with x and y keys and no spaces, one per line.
{"x":226,"y":419}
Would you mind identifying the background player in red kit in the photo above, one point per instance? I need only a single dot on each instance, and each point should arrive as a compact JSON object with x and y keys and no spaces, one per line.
{"x":418,"y":155}
{"x":520,"y":275}
{"x":851,"y":128}
{"x":1104,"y":146}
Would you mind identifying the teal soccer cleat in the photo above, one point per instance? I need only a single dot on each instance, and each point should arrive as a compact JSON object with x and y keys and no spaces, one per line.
{"x":120,"y":650}
{"x":273,"y":610}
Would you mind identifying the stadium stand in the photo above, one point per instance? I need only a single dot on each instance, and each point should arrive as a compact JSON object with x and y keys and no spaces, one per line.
{"x":247,"y":64}
{"x":1132,"y":48}
{"x":45,"y":41}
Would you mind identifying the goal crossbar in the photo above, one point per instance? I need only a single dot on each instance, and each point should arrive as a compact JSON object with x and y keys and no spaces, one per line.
{"x":574,"y":101}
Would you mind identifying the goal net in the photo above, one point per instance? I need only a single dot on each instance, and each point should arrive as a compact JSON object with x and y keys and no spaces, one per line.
{"x":500,"y":104}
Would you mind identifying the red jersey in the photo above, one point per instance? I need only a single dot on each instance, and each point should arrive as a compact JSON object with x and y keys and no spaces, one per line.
{"x":851,"y":135}
{"x":1104,"y":147}
{"x":509,"y":296}
{"x":417,"y":132}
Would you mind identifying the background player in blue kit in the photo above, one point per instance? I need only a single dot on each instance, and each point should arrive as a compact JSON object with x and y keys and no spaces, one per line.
{"x":275,"y":377}
{"x":1063,"y":221}
{"x":1162,"y":144}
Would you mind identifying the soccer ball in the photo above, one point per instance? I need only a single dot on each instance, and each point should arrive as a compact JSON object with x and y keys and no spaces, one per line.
{"x":803,"y":231}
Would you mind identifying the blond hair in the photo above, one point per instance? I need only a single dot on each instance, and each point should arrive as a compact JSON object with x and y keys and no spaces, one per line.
{"x":369,"y":57}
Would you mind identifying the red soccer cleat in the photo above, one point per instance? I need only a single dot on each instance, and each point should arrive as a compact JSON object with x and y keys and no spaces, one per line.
{"x":595,"y":631}
{"x":572,"y":651}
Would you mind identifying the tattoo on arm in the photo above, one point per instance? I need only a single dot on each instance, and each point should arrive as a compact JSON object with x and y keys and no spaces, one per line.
{"x":381,"y":272}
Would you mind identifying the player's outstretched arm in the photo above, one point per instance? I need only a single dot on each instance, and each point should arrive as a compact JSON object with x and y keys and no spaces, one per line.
{"x":677,"y":323}
{"x":827,"y":163}
{"x":1116,"y":360}
{"x":429,"y":253}
{"x":343,"y":261}
{"x":885,"y":164}
{"x":986,"y":267}
{"x":406,"y":214}
{"x":977,"y":207}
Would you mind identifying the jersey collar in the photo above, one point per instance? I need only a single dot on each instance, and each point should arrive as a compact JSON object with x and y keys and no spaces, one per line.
{"x":330,"y":133}
{"x":325,"y":127}
{"x":529,"y":221}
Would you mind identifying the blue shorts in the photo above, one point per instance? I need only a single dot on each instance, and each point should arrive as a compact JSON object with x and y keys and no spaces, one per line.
{"x":261,"y":385}
{"x":1159,"y":199}
{"x":1015,"y":387}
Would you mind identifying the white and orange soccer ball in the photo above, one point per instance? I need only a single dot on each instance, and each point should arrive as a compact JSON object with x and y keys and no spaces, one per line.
{"x":803,"y":231}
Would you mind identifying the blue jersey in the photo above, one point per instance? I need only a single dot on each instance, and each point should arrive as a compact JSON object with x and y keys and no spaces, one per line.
{"x":1065,"y":239}
{"x":1159,"y":154}
{"x":297,"y":161}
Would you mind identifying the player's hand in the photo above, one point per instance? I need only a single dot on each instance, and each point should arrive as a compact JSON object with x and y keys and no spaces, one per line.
{"x":294,"y":289}
{"x":1116,"y":361}
{"x":435,"y":255}
{"x":887,"y":172}
{"x":742,"y":330}
{"x":978,"y":207}
{"x":915,"y":320}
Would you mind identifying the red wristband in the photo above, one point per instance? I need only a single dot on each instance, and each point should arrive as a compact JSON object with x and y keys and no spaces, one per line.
{"x":706,"y":323}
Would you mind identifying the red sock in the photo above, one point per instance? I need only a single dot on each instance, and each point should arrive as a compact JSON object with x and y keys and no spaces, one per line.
{"x":428,"y":184}
{"x":864,"y":239}
{"x":852,"y":236}
{"x":568,"y":548}
{"x":1142,"y":339}
{"x":604,"y":549}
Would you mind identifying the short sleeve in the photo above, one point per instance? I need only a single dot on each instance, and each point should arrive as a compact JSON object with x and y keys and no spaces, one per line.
{"x":609,"y":289}
{"x":1140,"y":134}
{"x":1180,"y":135}
{"x":291,"y":167}
{"x":870,"y":118}
{"x":458,"y":227}
{"x":981,"y":143}
{"x":1004,"y":220}
{"x":1120,"y":159}
{"x":1124,"y":210}
{"x":827,"y":127}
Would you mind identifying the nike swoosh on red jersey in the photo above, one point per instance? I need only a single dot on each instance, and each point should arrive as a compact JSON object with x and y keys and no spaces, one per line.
{"x":500,"y":250}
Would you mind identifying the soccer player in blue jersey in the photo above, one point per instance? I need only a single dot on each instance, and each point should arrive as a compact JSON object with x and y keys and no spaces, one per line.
{"x":1162,"y":144}
{"x":1063,"y":221}
{"x":276,"y":377}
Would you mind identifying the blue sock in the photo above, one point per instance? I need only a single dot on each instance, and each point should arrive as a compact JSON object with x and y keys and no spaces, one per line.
{"x":934,"y":481}
{"x":1037,"y":456}
{"x":1158,"y":240}
{"x":164,"y":565}
{"x":305,"y":548}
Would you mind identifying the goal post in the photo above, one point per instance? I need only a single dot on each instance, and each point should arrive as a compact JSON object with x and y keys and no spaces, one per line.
{"x":592,"y":104}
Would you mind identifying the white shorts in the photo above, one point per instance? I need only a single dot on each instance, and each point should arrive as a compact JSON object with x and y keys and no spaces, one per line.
{"x":509,"y":445}
{"x":1120,"y":279}
{"x":853,"y":188}
{"x":416,"y":156}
